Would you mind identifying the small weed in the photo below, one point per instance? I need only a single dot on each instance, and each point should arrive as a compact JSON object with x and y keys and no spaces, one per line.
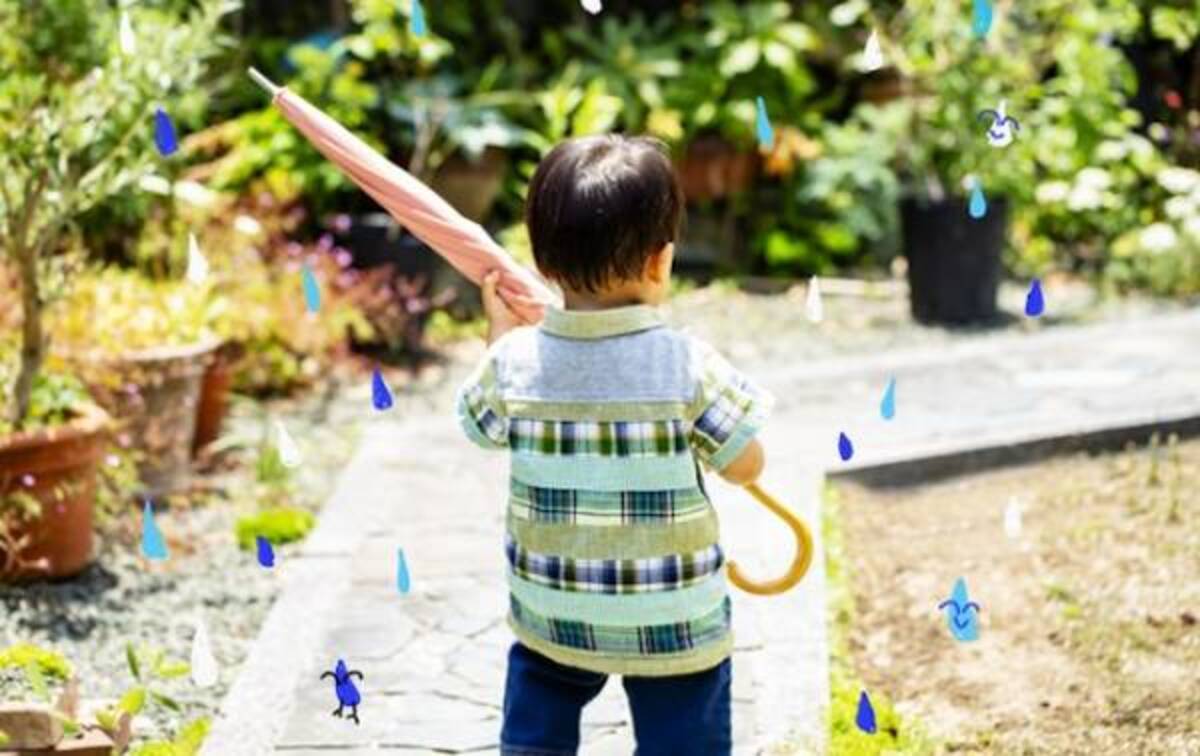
{"x":1060,"y":593}
{"x":276,"y":524}
{"x":894,"y":734}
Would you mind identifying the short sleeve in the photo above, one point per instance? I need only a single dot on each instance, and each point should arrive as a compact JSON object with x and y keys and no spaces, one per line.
{"x":479,"y":409}
{"x":727,"y":411}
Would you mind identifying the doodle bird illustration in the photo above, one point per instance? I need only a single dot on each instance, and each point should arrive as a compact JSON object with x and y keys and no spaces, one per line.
{"x":344,"y":688}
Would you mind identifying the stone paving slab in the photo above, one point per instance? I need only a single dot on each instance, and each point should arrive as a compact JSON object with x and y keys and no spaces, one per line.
{"x":997,"y":391}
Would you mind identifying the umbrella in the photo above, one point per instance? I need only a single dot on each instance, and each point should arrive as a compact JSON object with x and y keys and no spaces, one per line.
{"x":462,"y":242}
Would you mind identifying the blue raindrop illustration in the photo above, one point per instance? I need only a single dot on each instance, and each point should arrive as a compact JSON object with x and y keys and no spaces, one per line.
{"x":418,"y":19}
{"x":845,"y":448}
{"x":402,"y":581}
{"x":153,"y":545}
{"x":312,"y":292}
{"x":962,"y":614}
{"x":381,"y":395}
{"x":266,"y":554}
{"x":1035,"y":303}
{"x":766,"y":135}
{"x":887,"y":407}
{"x":164,"y":133}
{"x":865,"y":718}
{"x":978,"y":206}
{"x":982,"y":20}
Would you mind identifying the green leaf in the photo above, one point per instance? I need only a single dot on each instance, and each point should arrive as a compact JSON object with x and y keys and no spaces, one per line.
{"x":133,"y":701}
{"x":69,"y":725}
{"x":192,"y":736}
{"x":779,"y":56}
{"x":166,"y":700}
{"x":741,"y":57}
{"x":37,"y":681}
{"x":171,"y":670}
{"x":131,"y":660}
{"x":107,"y":719}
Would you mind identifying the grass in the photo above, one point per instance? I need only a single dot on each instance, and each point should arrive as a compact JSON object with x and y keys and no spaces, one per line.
{"x":894,"y":734}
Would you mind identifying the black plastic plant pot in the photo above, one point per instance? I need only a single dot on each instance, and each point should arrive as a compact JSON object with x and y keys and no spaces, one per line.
{"x":376,"y":239}
{"x":954,"y":260}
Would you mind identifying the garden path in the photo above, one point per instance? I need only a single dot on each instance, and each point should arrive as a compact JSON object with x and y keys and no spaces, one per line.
{"x":434,"y":660}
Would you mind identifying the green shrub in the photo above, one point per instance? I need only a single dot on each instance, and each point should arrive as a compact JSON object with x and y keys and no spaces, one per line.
{"x":277,"y":524}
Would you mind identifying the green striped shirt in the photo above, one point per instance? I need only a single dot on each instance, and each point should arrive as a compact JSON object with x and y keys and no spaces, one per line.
{"x":614,"y":561}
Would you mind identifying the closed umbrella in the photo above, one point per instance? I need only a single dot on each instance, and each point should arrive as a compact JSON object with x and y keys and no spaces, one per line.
{"x":462,"y":242}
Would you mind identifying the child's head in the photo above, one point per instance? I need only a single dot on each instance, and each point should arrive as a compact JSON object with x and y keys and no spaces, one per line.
{"x":603,"y":214}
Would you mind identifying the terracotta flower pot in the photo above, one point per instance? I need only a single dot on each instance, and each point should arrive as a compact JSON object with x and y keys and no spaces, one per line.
{"x":471,"y":187}
{"x":712,"y":168}
{"x":214,"y":402}
{"x":154,"y":395}
{"x":57,"y":466}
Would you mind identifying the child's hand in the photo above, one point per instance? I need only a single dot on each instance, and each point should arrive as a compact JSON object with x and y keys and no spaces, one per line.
{"x":501,"y":318}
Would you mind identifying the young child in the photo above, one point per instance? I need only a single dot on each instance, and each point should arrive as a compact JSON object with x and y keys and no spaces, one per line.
{"x":612,"y":542}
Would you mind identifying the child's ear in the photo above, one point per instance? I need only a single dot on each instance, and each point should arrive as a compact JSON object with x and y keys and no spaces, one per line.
{"x":658,"y":266}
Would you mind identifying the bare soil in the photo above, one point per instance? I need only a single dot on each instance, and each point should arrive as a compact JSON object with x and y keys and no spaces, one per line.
{"x":1089,"y":638}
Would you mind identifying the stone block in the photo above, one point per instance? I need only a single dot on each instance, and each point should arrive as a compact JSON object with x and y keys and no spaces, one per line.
{"x":29,"y":726}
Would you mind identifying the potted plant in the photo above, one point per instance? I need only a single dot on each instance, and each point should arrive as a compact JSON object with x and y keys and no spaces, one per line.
{"x":944,"y":157}
{"x":75,"y":131}
{"x":143,"y":346}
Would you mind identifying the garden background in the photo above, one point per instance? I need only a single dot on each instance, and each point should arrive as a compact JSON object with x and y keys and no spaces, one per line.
{"x":1098,"y":198}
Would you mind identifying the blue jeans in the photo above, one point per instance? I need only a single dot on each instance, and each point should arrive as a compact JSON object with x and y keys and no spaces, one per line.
{"x":685,"y":715}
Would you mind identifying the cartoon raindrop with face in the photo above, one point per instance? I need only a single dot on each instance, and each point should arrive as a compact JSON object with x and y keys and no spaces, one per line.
{"x":1002,"y":129}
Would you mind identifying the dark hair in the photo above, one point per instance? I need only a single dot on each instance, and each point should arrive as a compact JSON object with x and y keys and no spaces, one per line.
{"x":600,"y":206}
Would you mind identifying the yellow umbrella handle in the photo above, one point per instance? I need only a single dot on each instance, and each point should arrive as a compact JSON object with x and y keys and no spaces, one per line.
{"x":800,"y":562}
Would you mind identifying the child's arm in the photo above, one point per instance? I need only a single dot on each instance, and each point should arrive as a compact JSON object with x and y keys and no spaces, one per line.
{"x":725,"y":415}
{"x":478,"y":405}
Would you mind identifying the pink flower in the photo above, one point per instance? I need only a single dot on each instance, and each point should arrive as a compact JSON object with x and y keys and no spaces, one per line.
{"x":342,"y":256}
{"x":325,"y":243}
{"x":294,"y":249}
{"x":28,"y":480}
{"x":341,"y":223}
{"x":112,"y":460}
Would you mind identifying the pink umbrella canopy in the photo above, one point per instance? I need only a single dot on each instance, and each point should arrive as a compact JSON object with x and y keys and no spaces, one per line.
{"x":462,"y":242}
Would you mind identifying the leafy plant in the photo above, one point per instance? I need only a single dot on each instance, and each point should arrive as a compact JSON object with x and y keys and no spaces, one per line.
{"x":1040,"y":57}
{"x":277,"y":524}
{"x":53,"y":397}
{"x":186,"y":743}
{"x":74,"y":130}
{"x":48,"y":663}
{"x":841,"y":201}
{"x":149,"y":668}
{"x":113,"y":311}
{"x":393,"y":89}
{"x":741,"y":51}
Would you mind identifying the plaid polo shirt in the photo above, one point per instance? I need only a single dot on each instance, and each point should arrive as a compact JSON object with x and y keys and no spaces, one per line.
{"x":612,"y":544}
